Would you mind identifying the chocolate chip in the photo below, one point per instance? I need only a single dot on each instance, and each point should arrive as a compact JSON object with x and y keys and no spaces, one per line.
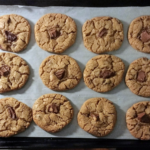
{"x":102,"y":33}
{"x":11,"y":113}
{"x":4,"y":70}
{"x":53,"y":33}
{"x":53,"y":108}
{"x":145,"y":36}
{"x":106,"y":74}
{"x":10,"y":36}
{"x":60,"y":73}
{"x":143,"y":117}
{"x":94,"y":116}
{"x":141,"y":76}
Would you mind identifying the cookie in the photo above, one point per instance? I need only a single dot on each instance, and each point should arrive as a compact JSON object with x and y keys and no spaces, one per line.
{"x":138,"y":77}
{"x":103,"y":72}
{"x":60,"y":72}
{"x":102,"y":34}
{"x":52,"y":112}
{"x":138,"y":120}
{"x":14,"y":72}
{"x":139,"y":34}
{"x":55,"y":32}
{"x":14,"y":33}
{"x":15,"y":117}
{"x":97,"y":116}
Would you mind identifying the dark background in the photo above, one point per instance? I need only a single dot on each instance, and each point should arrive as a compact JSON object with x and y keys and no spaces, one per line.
{"x":89,"y":3}
{"x":43,"y":143}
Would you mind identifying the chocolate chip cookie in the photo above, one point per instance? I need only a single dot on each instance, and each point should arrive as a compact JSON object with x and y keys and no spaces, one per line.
{"x":15,"y":117}
{"x":102,"y":34}
{"x":52,"y":112}
{"x":60,"y":72}
{"x":14,"y":72}
{"x":55,"y":32}
{"x":138,"y":77}
{"x":14,"y":33}
{"x":139,"y":34}
{"x":103,"y":72}
{"x":138,"y":120}
{"x":97,"y":116}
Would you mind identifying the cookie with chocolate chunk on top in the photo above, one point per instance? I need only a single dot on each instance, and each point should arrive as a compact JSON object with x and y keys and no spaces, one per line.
{"x":138,"y":77}
{"x":138,"y":120}
{"x":102,"y":34}
{"x":15,"y":33}
{"x":97,"y":116}
{"x":52,"y":112}
{"x":15,"y":117}
{"x":103,"y":73}
{"x":55,"y":32}
{"x":14,"y":72}
{"x":60,"y":72}
{"x":139,"y":34}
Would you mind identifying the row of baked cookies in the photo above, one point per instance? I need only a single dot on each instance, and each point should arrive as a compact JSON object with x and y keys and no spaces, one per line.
{"x":61,"y":72}
{"x":104,"y":72}
{"x":57,"y":32}
{"x":52,"y":112}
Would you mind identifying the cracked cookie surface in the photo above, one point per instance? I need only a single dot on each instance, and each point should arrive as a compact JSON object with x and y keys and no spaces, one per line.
{"x":103,"y":72}
{"x":14,"y":33}
{"x":138,"y":77}
{"x":60,"y":72}
{"x":102,"y":34}
{"x":138,"y":120}
{"x":52,"y":112}
{"x":14,"y":72}
{"x":139,"y":34}
{"x":55,"y":32}
{"x":15,"y":117}
{"x":97,"y":116}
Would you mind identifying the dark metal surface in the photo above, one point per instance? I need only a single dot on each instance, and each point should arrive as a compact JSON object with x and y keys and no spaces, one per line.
{"x":17,"y":142}
{"x":89,"y":3}
{"x":43,"y":143}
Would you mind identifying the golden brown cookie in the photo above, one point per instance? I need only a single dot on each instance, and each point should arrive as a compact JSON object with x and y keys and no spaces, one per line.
{"x":52,"y":112}
{"x":139,"y":34}
{"x":138,"y":77}
{"x":14,"y":72}
{"x":15,"y":117}
{"x":102,"y":34}
{"x":138,"y":120}
{"x":97,"y":116}
{"x":14,"y":33}
{"x":103,"y":72}
{"x":60,"y":72}
{"x":55,"y":32}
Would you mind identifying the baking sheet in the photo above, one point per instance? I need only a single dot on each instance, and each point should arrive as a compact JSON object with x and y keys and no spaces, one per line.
{"x":34,"y":55}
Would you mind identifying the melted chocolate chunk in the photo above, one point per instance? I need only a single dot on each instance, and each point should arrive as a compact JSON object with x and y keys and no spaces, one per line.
{"x":53,"y":33}
{"x":4,"y":70}
{"x":145,"y":36}
{"x":102,"y":33}
{"x":106,"y":74}
{"x":60,"y":73}
{"x":10,"y":36}
{"x":11,"y":113}
{"x":53,"y":108}
{"x":143,"y":117}
{"x":141,"y":76}
{"x":94,"y":116}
